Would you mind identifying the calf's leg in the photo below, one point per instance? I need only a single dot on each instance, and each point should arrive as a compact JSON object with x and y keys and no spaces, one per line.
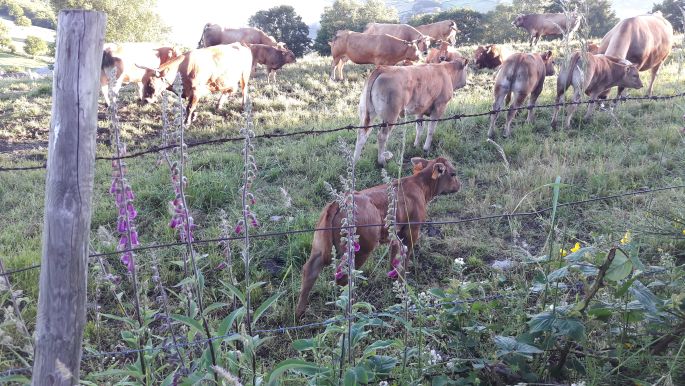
{"x":383,"y":135}
{"x":519,"y":98}
{"x":499,"y":98}
{"x":419,"y":132}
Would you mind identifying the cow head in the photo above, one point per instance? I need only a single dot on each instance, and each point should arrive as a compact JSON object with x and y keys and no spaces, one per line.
{"x":487,"y":57}
{"x":631,"y":77}
{"x":549,"y":63}
{"x":424,"y":43}
{"x":288,"y":56}
{"x":518,"y":22}
{"x":414,"y":53}
{"x":154,"y":82}
{"x":443,"y":176}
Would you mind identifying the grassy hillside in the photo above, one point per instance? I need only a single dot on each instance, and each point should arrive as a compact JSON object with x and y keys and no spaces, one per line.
{"x":638,"y":145}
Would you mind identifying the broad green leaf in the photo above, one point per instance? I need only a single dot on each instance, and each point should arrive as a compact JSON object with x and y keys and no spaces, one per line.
{"x":254,"y":286}
{"x":356,"y":376}
{"x":130,"y":322}
{"x":509,"y":345}
{"x":558,"y":274}
{"x":265,"y":306}
{"x":234,"y":291}
{"x":190,"y":322}
{"x":600,"y":313}
{"x":381,"y":364}
{"x":117,"y":374}
{"x":20,"y":379}
{"x":378,"y":345}
{"x":440,"y":380}
{"x":580,"y":254}
{"x":190,"y":280}
{"x":624,"y":288}
{"x":644,"y":296}
{"x":304,"y":344}
{"x":290,"y":365}
{"x":228,"y":321}
{"x":620,"y":267}
{"x":556,"y":324}
{"x":214,"y":306}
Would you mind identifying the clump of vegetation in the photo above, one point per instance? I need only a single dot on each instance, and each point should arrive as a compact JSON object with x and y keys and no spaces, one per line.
{"x":285,"y":26}
{"x":35,"y":46}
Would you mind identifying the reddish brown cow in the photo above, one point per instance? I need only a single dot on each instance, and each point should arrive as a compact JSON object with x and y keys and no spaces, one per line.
{"x":444,"y":53}
{"x":125,"y":56}
{"x":644,"y":40}
{"x":600,"y":73}
{"x":430,"y":179}
{"x":214,"y":34}
{"x":400,"y":31}
{"x":370,"y":49}
{"x":592,"y":48}
{"x":490,"y":56}
{"x":539,"y":25}
{"x":273,"y":58}
{"x":521,"y":75}
{"x":223,"y":68}
{"x":445,"y":30}
{"x":393,"y":91}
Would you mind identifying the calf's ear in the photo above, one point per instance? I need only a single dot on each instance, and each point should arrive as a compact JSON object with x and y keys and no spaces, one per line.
{"x":438,"y":170}
{"x":419,"y":163}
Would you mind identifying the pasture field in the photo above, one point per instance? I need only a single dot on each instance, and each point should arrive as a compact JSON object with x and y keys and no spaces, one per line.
{"x":501,"y":262}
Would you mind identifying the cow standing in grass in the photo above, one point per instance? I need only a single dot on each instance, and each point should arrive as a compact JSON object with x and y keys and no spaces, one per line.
{"x":391,"y":92}
{"x":401,"y":31}
{"x":539,"y":25}
{"x":445,"y":30}
{"x":521,"y":75}
{"x":214,"y":34}
{"x":273,"y":58}
{"x":430,"y":179}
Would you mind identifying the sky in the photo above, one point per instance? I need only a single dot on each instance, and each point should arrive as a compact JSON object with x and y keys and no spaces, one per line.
{"x":187,"y":21}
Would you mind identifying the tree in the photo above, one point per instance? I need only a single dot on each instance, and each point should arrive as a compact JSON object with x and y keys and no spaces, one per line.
{"x":599,"y":17}
{"x":35,"y":46}
{"x":22,"y":21}
{"x":350,"y":15}
{"x":127,"y":20}
{"x":470,"y":23}
{"x":285,"y":26}
{"x":673,"y":11}
{"x":5,"y":40}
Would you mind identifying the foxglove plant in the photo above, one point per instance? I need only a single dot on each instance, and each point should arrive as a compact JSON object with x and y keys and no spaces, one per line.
{"x":398,"y":262}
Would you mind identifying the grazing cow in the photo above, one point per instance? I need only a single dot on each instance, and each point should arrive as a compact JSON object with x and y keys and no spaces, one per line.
{"x":400,"y":31}
{"x":445,"y":30}
{"x":223,"y":68}
{"x":124,"y":57}
{"x":521,"y":75}
{"x":430,"y":179}
{"x":214,"y":34}
{"x":490,"y":56}
{"x":539,"y":25}
{"x":272,"y":58}
{"x":363,"y":48}
{"x":600,"y":73}
{"x":644,"y":40}
{"x":444,"y":53}
{"x":391,"y":92}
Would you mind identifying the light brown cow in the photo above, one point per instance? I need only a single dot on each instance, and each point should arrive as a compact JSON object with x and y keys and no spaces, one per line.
{"x":592,"y":74}
{"x":444,"y":53}
{"x":400,"y":31}
{"x":214,"y":34}
{"x":521,"y":74}
{"x":273,"y":58}
{"x":592,"y":48}
{"x":361,"y":48}
{"x":224,"y":68}
{"x":430,"y":179}
{"x":125,"y":56}
{"x":391,"y":92}
{"x":445,"y":30}
{"x":490,"y":56}
{"x":539,"y":25}
{"x":644,"y":40}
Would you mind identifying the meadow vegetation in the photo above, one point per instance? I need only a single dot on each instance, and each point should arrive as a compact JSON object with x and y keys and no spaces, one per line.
{"x":535,"y":317}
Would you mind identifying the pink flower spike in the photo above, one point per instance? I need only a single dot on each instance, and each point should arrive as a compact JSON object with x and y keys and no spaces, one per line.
{"x":238,"y":229}
{"x":127,"y":260}
{"x":129,"y":194}
{"x":173,"y":223}
{"x":123,"y":241}
{"x":357,"y":247}
{"x":134,"y":238}
{"x":122,"y":226}
{"x":395,"y":263}
{"x":393,"y":274}
{"x":339,"y":274}
{"x":113,"y":188}
{"x":221,"y":266}
{"x":132,"y":213}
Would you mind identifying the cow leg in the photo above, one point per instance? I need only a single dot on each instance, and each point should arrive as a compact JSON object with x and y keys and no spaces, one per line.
{"x":409,"y":237}
{"x":419,"y":132}
{"x":573,"y":106}
{"x":531,"y":105}
{"x":499,"y":98}
{"x":140,"y":90}
{"x":654,"y":72}
{"x":519,"y":98}
{"x":104,"y":86}
{"x":558,"y":101}
{"x":383,"y":134}
{"x":431,"y":129}
{"x":190,"y":110}
{"x":310,"y":271}
{"x":362,"y":137}
{"x":590,"y":107}
{"x":333,"y":67}
{"x":221,"y":101}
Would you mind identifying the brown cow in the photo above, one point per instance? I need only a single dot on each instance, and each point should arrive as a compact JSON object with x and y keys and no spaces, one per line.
{"x":273,"y":58}
{"x":600,"y":73}
{"x":400,"y":31}
{"x":430,"y":179}
{"x":644,"y":40}
{"x":125,"y":56}
{"x":539,"y":25}
{"x":490,"y":56}
{"x":445,"y":30}
{"x":521,"y":75}
{"x":444,"y":53}
{"x":221,"y":68}
{"x":394,"y":91}
{"x":592,"y":48}
{"x":370,"y":49}
{"x":214,"y":34}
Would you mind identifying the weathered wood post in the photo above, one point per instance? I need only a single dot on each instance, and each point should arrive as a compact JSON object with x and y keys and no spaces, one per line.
{"x":68,"y":196}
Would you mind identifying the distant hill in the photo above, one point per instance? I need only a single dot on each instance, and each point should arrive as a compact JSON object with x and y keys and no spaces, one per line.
{"x":18,"y":35}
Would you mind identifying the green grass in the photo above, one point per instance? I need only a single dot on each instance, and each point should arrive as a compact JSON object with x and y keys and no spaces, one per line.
{"x":641,"y":144}
{"x":8,"y":59}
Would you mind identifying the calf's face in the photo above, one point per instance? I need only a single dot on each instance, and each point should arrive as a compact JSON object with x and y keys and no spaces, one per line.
{"x":549,"y":63}
{"x":631,"y":77}
{"x":153,"y":85}
{"x":443,"y":174}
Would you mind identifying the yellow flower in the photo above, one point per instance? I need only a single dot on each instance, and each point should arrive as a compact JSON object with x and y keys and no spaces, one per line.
{"x":626,"y":238}
{"x":575,"y":248}
{"x":563,"y":252}
{"x":683,"y":231}
{"x":627,"y":346}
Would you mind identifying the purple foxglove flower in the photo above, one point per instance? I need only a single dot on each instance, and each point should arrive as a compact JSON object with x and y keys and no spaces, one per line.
{"x":132,"y":213}
{"x":129,"y":194}
{"x":113,"y":188}
{"x":122,"y":211}
{"x":134,"y":238}
{"x":173,"y":223}
{"x":395,"y":263}
{"x":357,"y":247}
{"x":119,"y":198}
{"x":127,"y":260}
{"x":123,"y":241}
{"x":122,"y":226}
{"x":393,"y":274}
{"x":339,"y":274}
{"x":221,"y":266}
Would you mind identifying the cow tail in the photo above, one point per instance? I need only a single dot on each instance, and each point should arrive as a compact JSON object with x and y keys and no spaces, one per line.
{"x":566,"y":76}
{"x":366,"y":118}
{"x":107,"y":59}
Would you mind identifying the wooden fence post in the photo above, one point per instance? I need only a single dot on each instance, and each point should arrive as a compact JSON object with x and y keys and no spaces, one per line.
{"x":68,"y":196}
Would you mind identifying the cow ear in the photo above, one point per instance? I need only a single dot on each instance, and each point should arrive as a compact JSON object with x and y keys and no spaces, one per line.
{"x":419,"y":163}
{"x":489,"y":49}
{"x":438,"y":170}
{"x":466,"y":62}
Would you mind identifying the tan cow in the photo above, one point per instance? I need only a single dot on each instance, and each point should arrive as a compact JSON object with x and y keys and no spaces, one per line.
{"x":593,"y":74}
{"x":445,"y":30}
{"x":223,"y":68}
{"x":400,"y":31}
{"x":444,"y":53}
{"x":592,"y":48}
{"x":363,"y":48}
{"x":430,"y":179}
{"x":521,"y":74}
{"x":391,"y":92}
{"x":214,"y":34}
{"x":539,"y":25}
{"x":490,"y":56}
{"x":273,"y":58}
{"x":644,"y":40}
{"x":125,"y":56}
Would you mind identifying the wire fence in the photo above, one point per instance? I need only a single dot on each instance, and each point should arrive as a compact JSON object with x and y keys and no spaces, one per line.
{"x":300,"y":132}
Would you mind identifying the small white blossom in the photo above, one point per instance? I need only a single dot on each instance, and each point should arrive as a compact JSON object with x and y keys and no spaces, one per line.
{"x":383,"y":383}
{"x":459,"y":261}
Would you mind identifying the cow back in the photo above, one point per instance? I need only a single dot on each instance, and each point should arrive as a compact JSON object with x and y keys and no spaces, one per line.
{"x":644,"y":40}
{"x":363,"y":48}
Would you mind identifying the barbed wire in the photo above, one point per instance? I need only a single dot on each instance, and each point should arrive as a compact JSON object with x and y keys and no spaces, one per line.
{"x":278,"y":133}
{"x":433,"y":223}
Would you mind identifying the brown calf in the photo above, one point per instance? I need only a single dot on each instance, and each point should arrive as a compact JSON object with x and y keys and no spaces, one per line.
{"x":490,"y":56}
{"x":214,"y":34}
{"x":521,"y":75}
{"x":445,"y":30}
{"x":444,"y":53}
{"x":600,"y":73}
{"x":543,"y":24}
{"x":272,"y":58}
{"x":400,"y":31}
{"x":430,"y":179}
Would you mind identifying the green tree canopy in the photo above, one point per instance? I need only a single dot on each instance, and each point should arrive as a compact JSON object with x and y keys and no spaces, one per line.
{"x":470,"y":23}
{"x":127,"y":20}
{"x":285,"y":25}
{"x":673,"y":11}
{"x":353,"y":16}
{"x":35,"y":46}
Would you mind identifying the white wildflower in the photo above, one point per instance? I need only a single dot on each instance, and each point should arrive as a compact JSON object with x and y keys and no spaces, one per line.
{"x":459,"y":262}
